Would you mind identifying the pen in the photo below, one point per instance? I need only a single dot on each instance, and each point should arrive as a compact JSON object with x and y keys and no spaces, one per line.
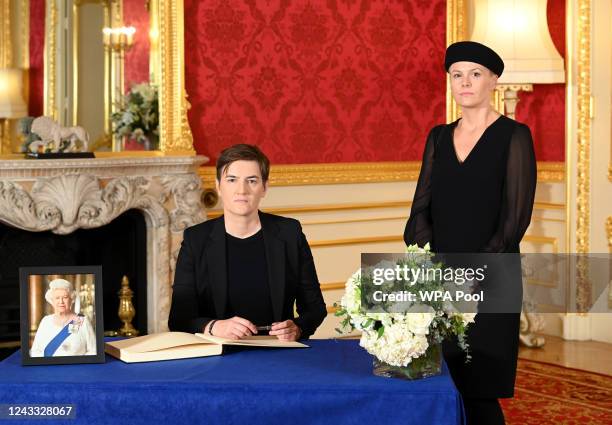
{"x":264,"y":328}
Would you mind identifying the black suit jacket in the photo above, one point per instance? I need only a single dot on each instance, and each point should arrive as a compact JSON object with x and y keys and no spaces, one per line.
{"x":200,"y":280}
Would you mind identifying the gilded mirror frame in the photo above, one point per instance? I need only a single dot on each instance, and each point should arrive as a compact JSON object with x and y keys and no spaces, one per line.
{"x":167,"y":70}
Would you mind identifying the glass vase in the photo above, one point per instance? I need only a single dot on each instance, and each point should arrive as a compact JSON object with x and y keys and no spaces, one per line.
{"x":429,"y":364}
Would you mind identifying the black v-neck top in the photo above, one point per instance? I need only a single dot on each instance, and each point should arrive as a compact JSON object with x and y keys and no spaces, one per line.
{"x":482,"y":204}
{"x":248,"y":290}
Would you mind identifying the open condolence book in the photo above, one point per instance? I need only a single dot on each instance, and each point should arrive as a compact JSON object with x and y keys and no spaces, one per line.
{"x":182,"y":345}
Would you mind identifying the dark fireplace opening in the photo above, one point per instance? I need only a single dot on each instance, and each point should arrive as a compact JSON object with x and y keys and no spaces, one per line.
{"x":120,"y":247}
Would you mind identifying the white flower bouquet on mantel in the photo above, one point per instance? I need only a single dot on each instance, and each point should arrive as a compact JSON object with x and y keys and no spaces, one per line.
{"x":404,"y":337}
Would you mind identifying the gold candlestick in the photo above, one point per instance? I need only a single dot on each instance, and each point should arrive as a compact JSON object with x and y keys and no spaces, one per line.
{"x":126,"y":309}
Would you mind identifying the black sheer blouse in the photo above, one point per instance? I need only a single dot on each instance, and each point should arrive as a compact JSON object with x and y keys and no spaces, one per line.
{"x":482,"y":204}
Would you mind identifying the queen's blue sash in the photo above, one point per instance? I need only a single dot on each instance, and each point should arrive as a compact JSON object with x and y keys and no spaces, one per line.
{"x":54,"y":344}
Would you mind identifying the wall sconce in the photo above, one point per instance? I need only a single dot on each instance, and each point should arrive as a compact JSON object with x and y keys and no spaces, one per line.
{"x":116,"y":42}
{"x":518,"y":31}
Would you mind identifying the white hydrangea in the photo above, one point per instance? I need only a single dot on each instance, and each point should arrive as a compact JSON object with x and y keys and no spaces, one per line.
{"x":400,"y":334}
{"x":397,"y":346}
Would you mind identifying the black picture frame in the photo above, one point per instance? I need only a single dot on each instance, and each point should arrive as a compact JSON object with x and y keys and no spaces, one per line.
{"x":28,"y":293}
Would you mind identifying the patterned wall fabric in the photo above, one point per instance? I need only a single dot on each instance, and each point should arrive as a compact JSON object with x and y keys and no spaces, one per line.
{"x":315,"y":81}
{"x":135,"y":14}
{"x":543,"y":110}
{"x":36,"y":73}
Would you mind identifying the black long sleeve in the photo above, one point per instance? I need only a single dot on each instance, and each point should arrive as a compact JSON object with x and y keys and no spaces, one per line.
{"x":184,"y":311}
{"x":419,"y":227}
{"x":519,"y":193}
{"x":309,"y":300}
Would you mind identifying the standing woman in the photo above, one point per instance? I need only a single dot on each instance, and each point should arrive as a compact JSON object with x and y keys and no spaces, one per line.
{"x":475,"y":195}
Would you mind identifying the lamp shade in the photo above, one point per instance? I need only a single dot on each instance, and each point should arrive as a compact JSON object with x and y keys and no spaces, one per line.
{"x":12,"y":104}
{"x":518,"y":31}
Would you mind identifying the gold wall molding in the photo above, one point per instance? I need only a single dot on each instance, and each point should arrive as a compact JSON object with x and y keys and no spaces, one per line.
{"x":362,"y":172}
{"x":456,"y":30}
{"x":352,"y":220}
{"x":326,"y":208}
{"x":331,"y":286}
{"x":359,"y":206}
{"x":175,"y":134}
{"x":609,"y":231}
{"x":333,"y":173}
{"x":6,"y":44}
{"x":583,"y":142}
{"x":50,"y":53}
{"x":6,"y":61}
{"x":355,"y":241}
{"x":543,"y":240}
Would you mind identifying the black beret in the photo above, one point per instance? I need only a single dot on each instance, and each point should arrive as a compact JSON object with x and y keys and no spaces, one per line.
{"x":470,"y":51}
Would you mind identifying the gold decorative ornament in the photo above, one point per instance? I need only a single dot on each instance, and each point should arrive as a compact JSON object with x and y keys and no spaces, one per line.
{"x":50,"y":71}
{"x":126,"y":309}
{"x":175,"y":134}
{"x":583,"y":216}
{"x":210,"y":197}
{"x":456,"y":30}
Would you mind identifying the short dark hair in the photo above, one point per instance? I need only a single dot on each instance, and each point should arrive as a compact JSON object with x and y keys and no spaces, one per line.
{"x":243,"y":152}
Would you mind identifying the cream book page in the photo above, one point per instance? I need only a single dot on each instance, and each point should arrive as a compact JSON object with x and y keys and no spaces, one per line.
{"x":158,"y":341}
{"x":254,"y":341}
{"x":162,"y":346}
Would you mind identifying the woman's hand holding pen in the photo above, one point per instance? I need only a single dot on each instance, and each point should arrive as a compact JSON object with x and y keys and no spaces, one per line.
{"x":286,"y":331}
{"x":234,"y":328}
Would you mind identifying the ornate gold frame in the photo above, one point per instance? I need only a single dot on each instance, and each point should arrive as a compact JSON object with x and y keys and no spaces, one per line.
{"x":167,"y":67}
{"x":581,"y":55}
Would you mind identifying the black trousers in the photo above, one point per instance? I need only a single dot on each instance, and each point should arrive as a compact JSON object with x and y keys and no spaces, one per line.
{"x":483,"y":411}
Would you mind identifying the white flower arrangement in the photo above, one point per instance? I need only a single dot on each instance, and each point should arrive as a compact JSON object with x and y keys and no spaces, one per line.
{"x":398,"y":337}
{"x":138,"y":114}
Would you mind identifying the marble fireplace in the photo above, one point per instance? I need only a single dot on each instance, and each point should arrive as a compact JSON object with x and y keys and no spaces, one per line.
{"x":64,"y":195}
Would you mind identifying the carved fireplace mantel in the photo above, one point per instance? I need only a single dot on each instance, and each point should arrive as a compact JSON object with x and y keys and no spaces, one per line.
{"x":62,"y":196}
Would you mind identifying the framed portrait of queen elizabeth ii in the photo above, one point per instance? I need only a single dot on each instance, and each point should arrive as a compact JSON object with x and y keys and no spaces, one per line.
{"x":61,"y":315}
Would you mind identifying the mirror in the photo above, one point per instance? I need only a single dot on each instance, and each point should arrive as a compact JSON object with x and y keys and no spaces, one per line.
{"x":77,"y":74}
{"x":91,"y":64}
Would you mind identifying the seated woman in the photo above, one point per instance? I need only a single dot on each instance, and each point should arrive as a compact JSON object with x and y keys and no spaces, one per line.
{"x":245,"y":269}
{"x":63,"y":333}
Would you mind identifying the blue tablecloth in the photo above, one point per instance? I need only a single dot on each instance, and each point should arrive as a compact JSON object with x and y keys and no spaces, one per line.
{"x":331,"y":382}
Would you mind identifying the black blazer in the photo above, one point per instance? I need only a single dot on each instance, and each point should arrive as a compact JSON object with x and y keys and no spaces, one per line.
{"x":200,"y":280}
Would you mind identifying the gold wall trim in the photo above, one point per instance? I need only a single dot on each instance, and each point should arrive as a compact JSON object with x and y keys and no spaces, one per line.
{"x":548,"y":240}
{"x":358,"y":172}
{"x":175,"y":134}
{"x":330,"y":286}
{"x":456,"y":30}
{"x":6,"y":45}
{"x":325,"y":208}
{"x":609,"y":231}
{"x":551,"y":172}
{"x":359,"y":206}
{"x":351,"y":220}
{"x":355,"y":241}
{"x":50,"y":71}
{"x":333,"y":173}
{"x":583,"y":80}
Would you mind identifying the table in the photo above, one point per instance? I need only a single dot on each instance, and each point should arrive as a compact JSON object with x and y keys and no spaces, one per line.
{"x":329,"y":383}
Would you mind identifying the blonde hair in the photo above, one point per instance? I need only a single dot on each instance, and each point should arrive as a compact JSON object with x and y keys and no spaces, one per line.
{"x":60,"y":284}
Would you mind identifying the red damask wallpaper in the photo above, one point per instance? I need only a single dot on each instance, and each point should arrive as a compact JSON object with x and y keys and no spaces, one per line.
{"x":135,"y":14}
{"x":313,"y":81}
{"x":543,"y":109}
{"x":36,"y":73}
